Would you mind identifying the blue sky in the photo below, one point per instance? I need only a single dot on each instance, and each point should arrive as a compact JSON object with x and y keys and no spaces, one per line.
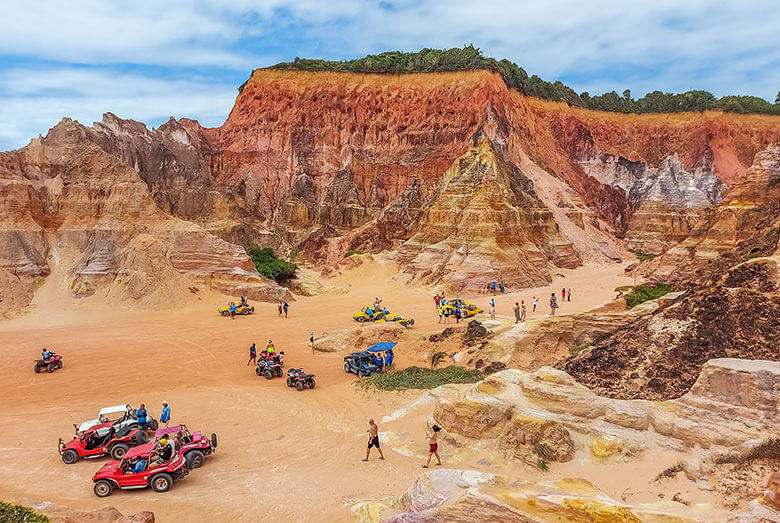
{"x":149,"y":60}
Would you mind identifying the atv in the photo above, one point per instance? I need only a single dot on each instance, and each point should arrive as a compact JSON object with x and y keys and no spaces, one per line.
{"x":269,"y":368}
{"x":101,"y":440}
{"x":299,"y":379}
{"x":158,"y":474}
{"x":49,"y":365}
{"x":193,"y":446}
{"x":240,"y":309}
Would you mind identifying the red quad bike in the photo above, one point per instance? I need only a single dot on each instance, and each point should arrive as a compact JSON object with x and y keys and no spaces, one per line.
{"x":158,"y":474}
{"x":299,"y":379}
{"x":193,"y":446}
{"x":49,"y":365}
{"x":97,"y":441}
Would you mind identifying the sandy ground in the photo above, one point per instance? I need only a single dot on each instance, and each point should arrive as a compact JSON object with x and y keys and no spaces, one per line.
{"x":283,"y":454}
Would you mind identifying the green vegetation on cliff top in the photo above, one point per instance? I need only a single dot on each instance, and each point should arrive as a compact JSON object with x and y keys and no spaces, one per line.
{"x":420,"y":378}
{"x":470,"y":57}
{"x":270,"y":266}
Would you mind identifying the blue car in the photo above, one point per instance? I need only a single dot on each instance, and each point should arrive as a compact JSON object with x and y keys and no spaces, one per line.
{"x":364,"y":363}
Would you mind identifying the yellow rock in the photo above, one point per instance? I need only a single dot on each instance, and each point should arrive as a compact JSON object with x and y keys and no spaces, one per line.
{"x":600,"y":512}
{"x":605,"y":447}
{"x":368,"y":511}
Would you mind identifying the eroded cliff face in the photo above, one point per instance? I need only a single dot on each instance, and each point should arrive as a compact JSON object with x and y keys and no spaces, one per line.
{"x":70,"y":206}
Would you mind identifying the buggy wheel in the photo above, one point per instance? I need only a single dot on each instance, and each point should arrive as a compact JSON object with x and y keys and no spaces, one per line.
{"x":195,"y":459}
{"x":245,"y":312}
{"x":69,"y":457}
{"x":361,"y":374}
{"x":50,"y":367}
{"x":37,"y":369}
{"x":299,"y":385}
{"x":346,"y":368}
{"x":311,"y":383}
{"x":161,"y":482}
{"x":269,"y":374}
{"x":289,"y":381}
{"x":360,"y":319}
{"x":140,"y":437}
{"x":118,"y":450}
{"x":154,"y":425}
{"x":103,"y":488}
{"x":225,"y":313}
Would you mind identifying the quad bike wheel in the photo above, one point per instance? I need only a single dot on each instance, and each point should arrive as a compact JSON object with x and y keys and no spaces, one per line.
{"x":69,"y":457}
{"x":59,"y":364}
{"x":213,"y":440}
{"x":195,"y":459}
{"x":258,"y":371}
{"x":118,"y":450}
{"x":279,"y":372}
{"x":299,"y":386}
{"x":103,"y":488}
{"x":161,"y":482}
{"x":310,"y":383}
{"x":289,"y":381}
{"x":269,"y":374}
{"x":37,"y":369}
{"x":50,"y":367}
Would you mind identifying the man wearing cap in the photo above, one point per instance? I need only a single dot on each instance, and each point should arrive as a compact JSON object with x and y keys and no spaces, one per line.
{"x":165,"y":417}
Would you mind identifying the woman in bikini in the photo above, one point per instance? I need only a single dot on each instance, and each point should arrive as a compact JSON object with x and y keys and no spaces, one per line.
{"x":433,"y":446}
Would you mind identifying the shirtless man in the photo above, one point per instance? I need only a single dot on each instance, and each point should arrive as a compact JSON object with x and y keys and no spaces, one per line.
{"x":433,"y":446}
{"x":373,"y":439}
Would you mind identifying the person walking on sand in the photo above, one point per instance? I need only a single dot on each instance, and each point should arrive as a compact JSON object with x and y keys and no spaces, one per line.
{"x":516,"y":308}
{"x":165,"y":417}
{"x":563,"y":294}
{"x":568,"y":296}
{"x":534,"y":305}
{"x":373,"y":439}
{"x":280,"y":309}
{"x":492,"y":313}
{"x":493,"y":301}
{"x":553,"y":304}
{"x":285,"y":307}
{"x":437,"y":300}
{"x":457,"y":314}
{"x":311,"y":341}
{"x":522,"y":310}
{"x":501,"y":286}
{"x":252,"y":355}
{"x":433,"y":446}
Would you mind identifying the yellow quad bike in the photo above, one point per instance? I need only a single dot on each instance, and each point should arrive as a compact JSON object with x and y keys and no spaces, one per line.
{"x":240,"y":309}
{"x":467,"y":309}
{"x":378,"y":317}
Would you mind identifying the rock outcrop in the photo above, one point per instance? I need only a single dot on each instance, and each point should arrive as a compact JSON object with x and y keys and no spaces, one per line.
{"x":659,"y":355}
{"x":69,"y":205}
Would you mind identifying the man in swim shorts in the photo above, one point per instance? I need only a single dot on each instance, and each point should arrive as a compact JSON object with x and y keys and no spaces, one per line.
{"x":373,"y":439}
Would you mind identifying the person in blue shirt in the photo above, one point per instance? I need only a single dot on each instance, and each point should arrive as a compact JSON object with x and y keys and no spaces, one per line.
{"x":165,"y":417}
{"x":384,"y":313}
{"x":45,"y":354}
{"x":252,"y":354}
{"x":501,"y":286}
{"x":138,"y":467}
{"x":370,"y":312}
{"x":232,"y":311}
{"x":140,"y":414}
{"x":285,"y":307}
{"x":388,"y":359}
{"x":378,"y":361}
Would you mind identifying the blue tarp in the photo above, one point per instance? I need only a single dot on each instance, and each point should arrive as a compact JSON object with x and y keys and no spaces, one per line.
{"x":382,"y":346}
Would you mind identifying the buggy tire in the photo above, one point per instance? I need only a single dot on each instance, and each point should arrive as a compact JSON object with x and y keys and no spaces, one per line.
{"x":118,"y":450}
{"x":154,"y":425}
{"x":245,"y":312}
{"x":37,"y":369}
{"x":311,"y":383}
{"x":361,"y":374}
{"x":346,"y":368}
{"x":70,"y":456}
{"x":103,"y":488}
{"x":299,"y":386}
{"x":268,"y":374}
{"x":411,"y":321}
{"x":50,"y":367}
{"x":161,"y":482}
{"x":195,"y":459}
{"x":225,"y":313}
{"x":213,"y":440}
{"x":140,"y":437}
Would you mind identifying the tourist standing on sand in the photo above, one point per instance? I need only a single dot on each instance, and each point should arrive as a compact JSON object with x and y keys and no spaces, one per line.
{"x":493,"y":301}
{"x":522,"y":310}
{"x":433,"y":446}
{"x":516,"y":308}
{"x":492,"y":313}
{"x":140,"y":415}
{"x":501,"y":286}
{"x":563,"y":294}
{"x":437,"y":300}
{"x":280,"y":309}
{"x":285,"y":307}
{"x":441,"y":314}
{"x":553,"y":304}
{"x":311,"y":341}
{"x":457,"y":314}
{"x":165,"y":417}
{"x":252,"y":354}
{"x":373,"y":439}
{"x":232,"y":311}
{"x":534,"y":303}
{"x":568,"y":297}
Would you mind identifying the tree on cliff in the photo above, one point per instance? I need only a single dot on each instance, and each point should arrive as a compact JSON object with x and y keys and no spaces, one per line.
{"x":270,"y":266}
{"x":777,"y":98}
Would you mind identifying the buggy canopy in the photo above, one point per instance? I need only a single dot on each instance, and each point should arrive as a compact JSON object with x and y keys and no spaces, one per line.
{"x":382,"y":346}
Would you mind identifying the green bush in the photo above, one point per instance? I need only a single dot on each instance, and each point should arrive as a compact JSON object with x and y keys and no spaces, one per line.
{"x":642,"y":256}
{"x":643,"y":293}
{"x":470,"y":57}
{"x":420,"y":378}
{"x":351,"y":252}
{"x":20,"y":514}
{"x":270,"y":266}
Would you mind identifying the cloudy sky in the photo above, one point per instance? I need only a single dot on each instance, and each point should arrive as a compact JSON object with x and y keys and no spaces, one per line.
{"x":149,"y":60}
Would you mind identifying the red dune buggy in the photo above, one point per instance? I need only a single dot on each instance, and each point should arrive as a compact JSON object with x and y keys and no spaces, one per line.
{"x":157,"y":473}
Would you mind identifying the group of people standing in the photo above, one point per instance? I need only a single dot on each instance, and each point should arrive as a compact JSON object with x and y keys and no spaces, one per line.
{"x":283,"y":306}
{"x":268,"y":353}
{"x":142,"y":415}
{"x":493,"y":284}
